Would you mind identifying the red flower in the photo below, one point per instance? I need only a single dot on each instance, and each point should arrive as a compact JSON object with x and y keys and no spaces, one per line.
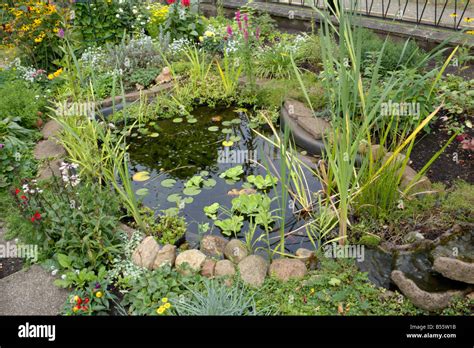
{"x":186,"y":3}
{"x":170,"y":2}
{"x":86,"y":301}
{"x":32,"y":219}
{"x":17,"y":191}
{"x":23,"y":197}
{"x":37,"y":216}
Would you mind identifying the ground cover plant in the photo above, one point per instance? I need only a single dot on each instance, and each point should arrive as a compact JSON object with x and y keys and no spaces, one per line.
{"x":144,"y":151}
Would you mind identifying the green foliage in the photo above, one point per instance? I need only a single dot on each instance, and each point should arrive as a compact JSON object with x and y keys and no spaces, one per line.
{"x":77,"y":221}
{"x":182,"y":22}
{"x":169,"y":229}
{"x":232,"y":174}
{"x":230,"y":226}
{"x":146,"y":292}
{"x":458,"y":96}
{"x":217,"y":299}
{"x":103,"y":21}
{"x":394,"y":55}
{"x":262,"y":183}
{"x":274,"y":60}
{"x":80,"y":279}
{"x":22,"y":102}
{"x":144,"y":77}
{"x":272,"y":94}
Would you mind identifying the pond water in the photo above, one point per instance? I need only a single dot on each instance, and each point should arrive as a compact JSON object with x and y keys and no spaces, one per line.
{"x":180,"y":149}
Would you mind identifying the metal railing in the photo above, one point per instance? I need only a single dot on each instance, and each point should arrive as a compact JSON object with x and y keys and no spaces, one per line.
{"x":452,"y":14}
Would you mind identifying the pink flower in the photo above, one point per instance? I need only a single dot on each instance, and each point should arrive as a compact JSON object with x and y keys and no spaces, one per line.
{"x":245,"y":17}
{"x":229,"y":30}
{"x":237,"y":16}
{"x":246,"y":34}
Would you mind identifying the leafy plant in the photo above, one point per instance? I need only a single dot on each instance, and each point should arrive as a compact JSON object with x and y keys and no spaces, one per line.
{"x":146,"y":293}
{"x":71,"y":218}
{"x":262,"y":183}
{"x":232,"y":174}
{"x":230,"y":226}
{"x":95,"y":299}
{"x":211,"y":210}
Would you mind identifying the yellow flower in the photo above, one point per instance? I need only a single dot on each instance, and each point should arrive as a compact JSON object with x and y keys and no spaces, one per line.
{"x":468,"y":19}
{"x":161,"y":310}
{"x":50,"y":76}
{"x":99,"y":294}
{"x":470,"y":32}
{"x":201,"y":38}
{"x":58,"y":72}
{"x":164,"y":300}
{"x":209,"y":33}
{"x":312,"y":291}
{"x":453,"y":15}
{"x":167,"y":305}
{"x":38,"y":39}
{"x":56,"y":30}
{"x":38,"y":21}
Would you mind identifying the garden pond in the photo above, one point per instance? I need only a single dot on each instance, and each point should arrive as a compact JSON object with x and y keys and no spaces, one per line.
{"x":186,"y":160}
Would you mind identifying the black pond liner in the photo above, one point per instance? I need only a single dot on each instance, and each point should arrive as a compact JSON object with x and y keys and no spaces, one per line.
{"x":302,"y":138}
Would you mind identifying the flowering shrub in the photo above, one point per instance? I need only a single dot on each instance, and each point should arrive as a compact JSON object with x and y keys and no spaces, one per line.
{"x":71,"y":218}
{"x":106,"y":20}
{"x":36,"y":27}
{"x":95,"y":299}
{"x":182,"y":21}
{"x":158,"y":16}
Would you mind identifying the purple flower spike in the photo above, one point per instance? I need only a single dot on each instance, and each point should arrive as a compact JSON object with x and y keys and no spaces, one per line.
{"x":229,"y":30}
{"x":61,"y":33}
{"x":2,"y":146}
{"x":245,"y":17}
{"x":237,"y":16}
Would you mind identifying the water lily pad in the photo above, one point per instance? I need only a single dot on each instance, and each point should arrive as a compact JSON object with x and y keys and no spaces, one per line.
{"x":142,"y":192}
{"x":134,"y":135}
{"x":226,"y":123}
{"x":171,"y":211}
{"x":141,"y":176}
{"x":143,"y":130}
{"x":227,"y":143}
{"x":173,"y":198}
{"x":191,"y":191}
{"x":204,"y":173}
{"x":154,"y":135}
{"x":152,"y":123}
{"x":236,"y":121}
{"x":177,"y":120}
{"x":234,"y":138}
{"x":188,"y":200}
{"x":227,"y":130}
{"x":209,"y":183}
{"x":192,"y":120}
{"x":213,"y":129}
{"x":168,"y":183}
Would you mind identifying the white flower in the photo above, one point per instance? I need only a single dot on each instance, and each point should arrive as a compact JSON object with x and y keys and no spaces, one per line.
{"x":63,"y":277}
{"x":117,"y":15}
{"x":77,"y":271}
{"x":54,"y":272}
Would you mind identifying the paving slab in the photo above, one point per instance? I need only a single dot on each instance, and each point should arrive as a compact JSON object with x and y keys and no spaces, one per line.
{"x":31,"y":292}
